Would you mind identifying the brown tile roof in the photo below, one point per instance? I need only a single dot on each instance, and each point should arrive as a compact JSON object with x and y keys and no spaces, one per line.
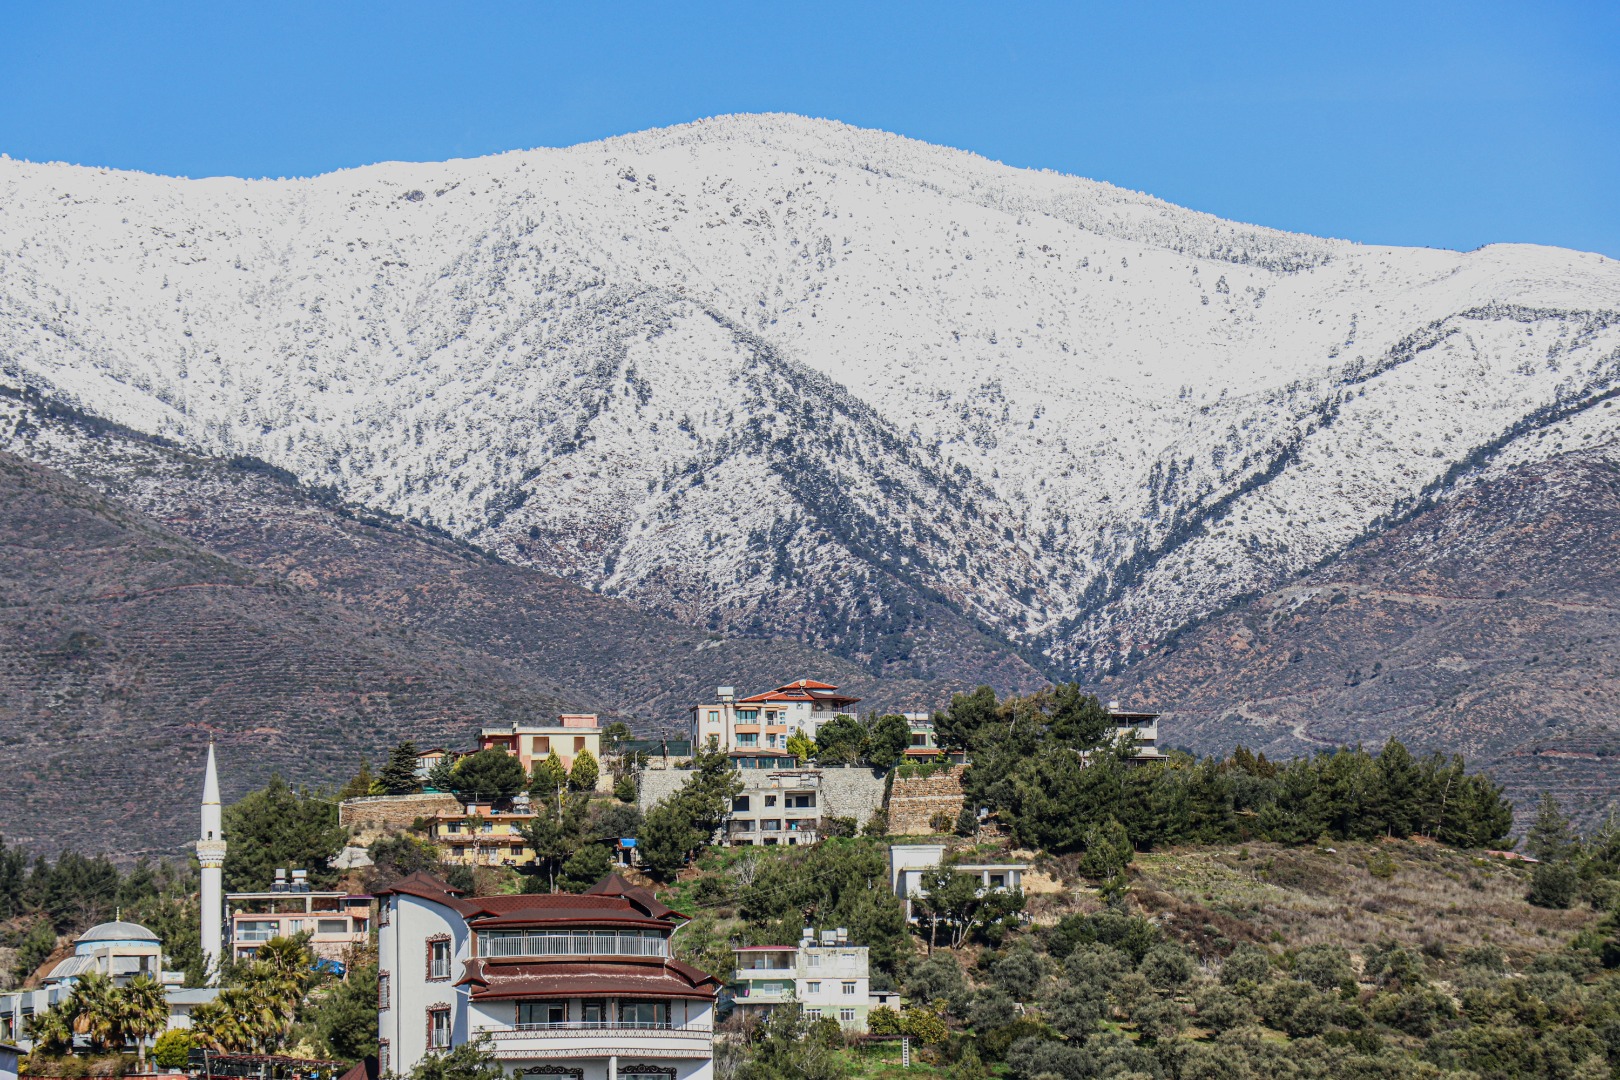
{"x":610,"y":902}
{"x":630,"y":976}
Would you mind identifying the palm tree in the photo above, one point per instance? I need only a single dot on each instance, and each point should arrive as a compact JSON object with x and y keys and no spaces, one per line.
{"x":52,"y":1030}
{"x":144,"y":1013}
{"x":97,"y":1010}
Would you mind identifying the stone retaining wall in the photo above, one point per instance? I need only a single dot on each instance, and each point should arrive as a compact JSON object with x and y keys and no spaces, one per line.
{"x":386,"y":815}
{"x":914,"y":801}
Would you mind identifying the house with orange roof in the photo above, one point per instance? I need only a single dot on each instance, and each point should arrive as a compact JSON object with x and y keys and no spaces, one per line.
{"x":764,"y":721}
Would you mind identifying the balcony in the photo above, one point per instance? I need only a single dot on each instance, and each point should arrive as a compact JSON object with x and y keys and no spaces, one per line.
{"x":566,"y":943}
{"x":584,"y":1038}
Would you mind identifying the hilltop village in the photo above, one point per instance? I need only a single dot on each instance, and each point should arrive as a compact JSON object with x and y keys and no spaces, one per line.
{"x":1028,"y":886}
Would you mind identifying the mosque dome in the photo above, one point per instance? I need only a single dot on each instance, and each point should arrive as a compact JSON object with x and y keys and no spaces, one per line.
{"x":116,"y":931}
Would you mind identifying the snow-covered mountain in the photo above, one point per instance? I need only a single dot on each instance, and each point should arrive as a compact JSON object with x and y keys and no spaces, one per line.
{"x":779,"y":375}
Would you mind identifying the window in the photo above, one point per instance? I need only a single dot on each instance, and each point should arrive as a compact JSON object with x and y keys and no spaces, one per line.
{"x":849,"y":988}
{"x":331,"y":926}
{"x":517,"y":849}
{"x":747,"y":716}
{"x":542,"y":744}
{"x":454,"y":827}
{"x":812,"y":987}
{"x":439,"y":1027}
{"x":383,"y":910}
{"x":644,"y":1014}
{"x":739,"y":805}
{"x":542,"y":1013}
{"x":714,"y":716}
{"x":846,"y":1016}
{"x":384,"y":981}
{"x":998,"y":881}
{"x":438,"y":958}
{"x":770,"y":800}
{"x":594,"y":1012}
{"x":579,"y":743}
{"x":815,"y":959}
{"x":382,"y":1057}
{"x":747,"y":739}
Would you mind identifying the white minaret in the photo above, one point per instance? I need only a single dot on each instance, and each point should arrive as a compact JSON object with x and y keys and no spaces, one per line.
{"x":211,"y":854}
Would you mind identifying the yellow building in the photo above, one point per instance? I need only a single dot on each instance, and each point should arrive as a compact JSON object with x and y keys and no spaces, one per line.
{"x":479,"y":835}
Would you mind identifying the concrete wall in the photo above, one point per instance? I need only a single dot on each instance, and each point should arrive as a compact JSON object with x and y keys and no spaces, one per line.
{"x":913,"y":802}
{"x":385,"y":815}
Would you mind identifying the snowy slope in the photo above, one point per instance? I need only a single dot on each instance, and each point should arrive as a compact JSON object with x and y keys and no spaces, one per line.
{"x":781,"y":375}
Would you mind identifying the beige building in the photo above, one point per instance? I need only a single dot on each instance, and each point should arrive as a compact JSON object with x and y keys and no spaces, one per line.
{"x":764,"y":721}
{"x":335,"y":921}
{"x":573,"y":734}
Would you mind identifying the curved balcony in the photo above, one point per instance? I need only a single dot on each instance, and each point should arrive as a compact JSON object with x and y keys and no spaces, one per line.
{"x":586,"y":1038}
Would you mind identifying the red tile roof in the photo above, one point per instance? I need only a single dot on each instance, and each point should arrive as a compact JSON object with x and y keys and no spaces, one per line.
{"x":803,"y":690}
{"x":631,"y":976}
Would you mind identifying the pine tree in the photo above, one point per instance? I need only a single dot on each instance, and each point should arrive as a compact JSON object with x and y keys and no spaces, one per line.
{"x":1551,"y":838}
{"x":399,"y":775}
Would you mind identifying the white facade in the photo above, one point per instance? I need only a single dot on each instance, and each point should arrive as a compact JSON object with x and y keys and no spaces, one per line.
{"x":829,"y":980}
{"x":211,"y":857}
{"x":579,"y":987}
{"x":909,"y":862}
{"x":764,"y":721}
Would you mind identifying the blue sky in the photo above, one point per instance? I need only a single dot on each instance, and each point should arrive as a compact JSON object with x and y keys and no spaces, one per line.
{"x":1443,"y":124}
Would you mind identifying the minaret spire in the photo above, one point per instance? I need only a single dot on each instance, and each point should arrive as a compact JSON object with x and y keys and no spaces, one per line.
{"x":211,"y":856}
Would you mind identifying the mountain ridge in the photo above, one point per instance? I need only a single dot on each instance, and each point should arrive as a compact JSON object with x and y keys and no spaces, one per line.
{"x":902,"y":366}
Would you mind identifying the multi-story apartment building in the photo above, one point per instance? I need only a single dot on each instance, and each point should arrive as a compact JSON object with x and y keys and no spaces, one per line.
{"x":572,"y":734}
{"x":582,"y":986}
{"x":829,"y":979}
{"x":764,"y":721}
{"x":335,"y":921}
{"x":776,"y":809}
{"x":480,"y":835}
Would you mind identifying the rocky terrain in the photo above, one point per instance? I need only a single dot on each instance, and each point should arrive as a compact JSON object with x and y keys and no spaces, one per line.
{"x":1488,"y":625}
{"x":796,"y":391}
{"x":218,"y":599}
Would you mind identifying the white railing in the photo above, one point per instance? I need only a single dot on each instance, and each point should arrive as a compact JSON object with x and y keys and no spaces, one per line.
{"x":553,"y":943}
{"x":579,"y":1029}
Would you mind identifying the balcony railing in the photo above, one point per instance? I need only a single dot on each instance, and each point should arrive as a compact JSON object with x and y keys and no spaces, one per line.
{"x":584,"y":1029}
{"x":552,"y":943}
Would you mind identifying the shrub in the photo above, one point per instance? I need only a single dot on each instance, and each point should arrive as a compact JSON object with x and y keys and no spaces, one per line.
{"x":1326,"y":967}
{"x":172,"y":1047}
{"x":993,"y":1045}
{"x":924,"y":1025}
{"x":1248,"y":963}
{"x":883,"y":1021}
{"x":1553,"y":885}
{"x":1419,"y":1012}
{"x":992,"y":1008}
{"x":1167,"y":967}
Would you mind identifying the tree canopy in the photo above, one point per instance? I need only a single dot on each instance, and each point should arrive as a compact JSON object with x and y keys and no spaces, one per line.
{"x":278,"y":826}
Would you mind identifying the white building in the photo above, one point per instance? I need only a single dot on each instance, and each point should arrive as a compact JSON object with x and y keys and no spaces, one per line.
{"x":583,"y":987}
{"x":764,"y":721}
{"x":829,"y":979}
{"x":909,"y":862}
